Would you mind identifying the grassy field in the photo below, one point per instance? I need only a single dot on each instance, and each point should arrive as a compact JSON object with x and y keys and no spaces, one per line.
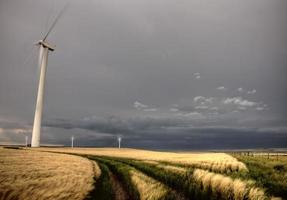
{"x":143,"y":175}
{"x":270,"y":172}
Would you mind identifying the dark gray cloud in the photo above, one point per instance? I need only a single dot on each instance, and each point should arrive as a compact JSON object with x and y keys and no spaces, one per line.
{"x":145,"y":62}
{"x":174,"y":133}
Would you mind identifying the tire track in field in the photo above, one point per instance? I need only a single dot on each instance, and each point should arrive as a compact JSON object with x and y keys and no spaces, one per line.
{"x":115,"y":183}
{"x":171,"y":193}
{"x":103,"y":188}
{"x":119,"y":190}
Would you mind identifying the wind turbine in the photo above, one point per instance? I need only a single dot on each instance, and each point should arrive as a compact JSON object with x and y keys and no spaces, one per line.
{"x":72,"y":142}
{"x":26,"y":141}
{"x":43,"y":59}
{"x":119,"y":141}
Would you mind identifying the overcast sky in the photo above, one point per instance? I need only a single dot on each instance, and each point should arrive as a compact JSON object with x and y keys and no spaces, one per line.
{"x":163,"y":74}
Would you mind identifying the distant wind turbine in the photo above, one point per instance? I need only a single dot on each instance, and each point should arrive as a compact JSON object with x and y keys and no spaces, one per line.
{"x":43,"y":59}
{"x":72,"y":141}
{"x":26,"y":141}
{"x":119,"y":141}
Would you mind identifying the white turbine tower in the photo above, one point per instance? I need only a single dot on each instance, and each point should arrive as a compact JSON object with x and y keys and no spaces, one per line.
{"x":119,"y":141}
{"x":72,"y":142}
{"x":43,"y":59}
{"x":26,"y":141}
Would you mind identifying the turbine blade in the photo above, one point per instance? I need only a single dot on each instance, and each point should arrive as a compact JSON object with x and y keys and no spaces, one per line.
{"x":56,"y":20}
{"x":31,"y":52}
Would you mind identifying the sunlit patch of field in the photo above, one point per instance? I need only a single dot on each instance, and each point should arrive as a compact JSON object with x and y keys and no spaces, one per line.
{"x":219,"y":186}
{"x":220,"y":162}
{"x":225,"y":187}
{"x":26,"y":174}
{"x":148,"y":188}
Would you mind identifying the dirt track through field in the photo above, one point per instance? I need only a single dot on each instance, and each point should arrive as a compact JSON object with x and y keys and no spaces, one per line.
{"x":120,"y":193}
{"x":172,"y":193}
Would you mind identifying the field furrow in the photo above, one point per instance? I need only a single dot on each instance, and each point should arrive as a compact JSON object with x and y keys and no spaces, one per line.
{"x":137,"y":184}
{"x":177,"y":182}
{"x":121,"y":178}
{"x":103,"y":187}
{"x":118,"y":188}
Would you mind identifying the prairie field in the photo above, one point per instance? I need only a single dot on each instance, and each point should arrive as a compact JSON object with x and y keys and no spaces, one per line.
{"x":110,"y":173}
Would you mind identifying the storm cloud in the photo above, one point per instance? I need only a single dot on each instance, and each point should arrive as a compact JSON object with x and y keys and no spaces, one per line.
{"x":174,"y":133}
{"x":162,"y":74}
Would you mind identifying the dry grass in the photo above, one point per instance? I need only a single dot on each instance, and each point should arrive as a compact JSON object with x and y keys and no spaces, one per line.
{"x":218,"y":162}
{"x":26,"y":174}
{"x":228,"y":188}
{"x":153,"y":162}
{"x":148,"y":188}
{"x":96,"y":170}
{"x":165,"y":166}
{"x":256,"y":194}
{"x":171,"y":168}
{"x":222,"y":166}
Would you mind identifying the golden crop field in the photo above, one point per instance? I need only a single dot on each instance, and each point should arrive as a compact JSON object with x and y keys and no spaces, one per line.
{"x":214,"y":161}
{"x":35,"y":175}
{"x":110,"y":173}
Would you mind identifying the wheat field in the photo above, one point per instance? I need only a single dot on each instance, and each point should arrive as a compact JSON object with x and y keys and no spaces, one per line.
{"x":119,"y":174}
{"x":40,"y":175}
{"x":215,"y":161}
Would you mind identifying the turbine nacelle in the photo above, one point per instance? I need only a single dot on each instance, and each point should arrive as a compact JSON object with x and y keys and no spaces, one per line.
{"x":45,"y":45}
